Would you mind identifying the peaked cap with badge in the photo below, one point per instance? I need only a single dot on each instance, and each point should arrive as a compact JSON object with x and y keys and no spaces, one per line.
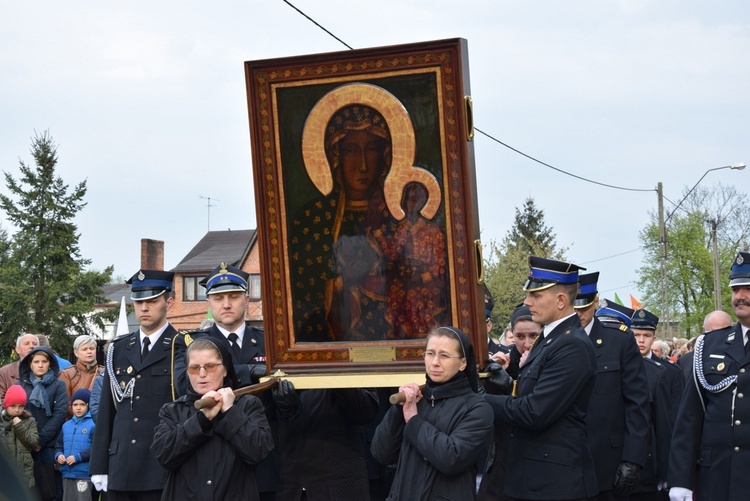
{"x":721,"y":364}
{"x":644,"y":319}
{"x":148,"y":284}
{"x":609,"y":310}
{"x":740,"y":273}
{"x":545,"y":273}
{"x":587,"y":292}
{"x":557,"y":379}
{"x":134,"y":388}
{"x":225,"y":278}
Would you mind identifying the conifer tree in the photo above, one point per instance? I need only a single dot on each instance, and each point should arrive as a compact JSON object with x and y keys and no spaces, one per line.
{"x":45,"y":285}
{"x":507,"y":265}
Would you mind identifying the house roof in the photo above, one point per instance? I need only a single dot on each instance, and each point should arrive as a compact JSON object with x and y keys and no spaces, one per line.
{"x":231,"y":247}
{"x":114,"y":293}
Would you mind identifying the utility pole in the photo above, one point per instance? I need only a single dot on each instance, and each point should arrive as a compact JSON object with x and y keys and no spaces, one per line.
{"x":663,"y":258}
{"x":208,"y":204}
{"x":717,"y":286}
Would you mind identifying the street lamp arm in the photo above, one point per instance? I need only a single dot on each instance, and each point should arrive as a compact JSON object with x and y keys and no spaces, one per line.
{"x":738,"y":166}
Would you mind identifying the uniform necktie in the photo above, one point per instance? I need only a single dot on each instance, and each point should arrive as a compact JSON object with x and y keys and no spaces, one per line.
{"x":233,"y":337}
{"x":146,"y":342}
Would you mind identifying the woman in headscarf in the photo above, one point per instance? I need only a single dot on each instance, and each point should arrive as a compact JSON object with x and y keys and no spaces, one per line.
{"x":211,"y":453}
{"x":438,"y":432}
{"x":48,"y":404}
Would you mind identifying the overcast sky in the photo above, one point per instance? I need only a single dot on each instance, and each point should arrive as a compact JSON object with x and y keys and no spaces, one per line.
{"x":147,"y":103}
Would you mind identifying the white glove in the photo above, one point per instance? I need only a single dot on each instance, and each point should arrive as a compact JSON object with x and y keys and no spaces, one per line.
{"x":100,"y":482}
{"x":680,"y":494}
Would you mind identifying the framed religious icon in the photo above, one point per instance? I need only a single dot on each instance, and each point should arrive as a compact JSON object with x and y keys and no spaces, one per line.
{"x":366,"y":201}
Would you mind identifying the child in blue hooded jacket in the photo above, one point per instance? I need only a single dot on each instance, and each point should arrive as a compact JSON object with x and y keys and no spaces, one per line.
{"x":74,"y":449}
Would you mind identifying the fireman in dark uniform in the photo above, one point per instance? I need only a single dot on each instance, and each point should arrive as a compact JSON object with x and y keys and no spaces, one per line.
{"x":711,"y":441}
{"x":226,"y":293}
{"x":137,"y":382}
{"x":653,"y":481}
{"x":617,"y":415}
{"x":547,"y":450}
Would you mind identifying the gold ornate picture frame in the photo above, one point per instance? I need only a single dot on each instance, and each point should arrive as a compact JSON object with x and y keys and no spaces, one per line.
{"x":366,"y":201}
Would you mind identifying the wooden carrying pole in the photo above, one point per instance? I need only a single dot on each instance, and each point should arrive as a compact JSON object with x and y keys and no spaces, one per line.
{"x":207,"y":403}
{"x":400,"y":397}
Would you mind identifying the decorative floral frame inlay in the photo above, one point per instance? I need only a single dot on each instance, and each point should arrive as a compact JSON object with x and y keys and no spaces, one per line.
{"x":350,"y":282}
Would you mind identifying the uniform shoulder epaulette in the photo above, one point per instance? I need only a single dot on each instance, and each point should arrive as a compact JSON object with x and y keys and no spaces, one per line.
{"x":188,"y":336}
{"x":653,"y":362}
{"x":121,"y":337}
{"x":623,"y":327}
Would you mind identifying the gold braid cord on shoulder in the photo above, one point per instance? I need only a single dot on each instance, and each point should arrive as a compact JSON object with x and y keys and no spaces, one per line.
{"x":188,"y":340}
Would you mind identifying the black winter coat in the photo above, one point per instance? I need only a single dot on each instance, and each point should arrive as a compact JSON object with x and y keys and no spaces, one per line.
{"x":321,"y":450}
{"x":437,"y":449}
{"x":211,"y":459}
{"x":48,"y":426}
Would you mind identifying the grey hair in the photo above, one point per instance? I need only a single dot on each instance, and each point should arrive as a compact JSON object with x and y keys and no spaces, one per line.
{"x":18,"y":341}
{"x":83,"y":340}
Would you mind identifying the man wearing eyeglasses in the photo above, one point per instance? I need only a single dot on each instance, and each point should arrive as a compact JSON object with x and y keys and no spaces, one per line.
{"x":549,"y":455}
{"x":137,"y":382}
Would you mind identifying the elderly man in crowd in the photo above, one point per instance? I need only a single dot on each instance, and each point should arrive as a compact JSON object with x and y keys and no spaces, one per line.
{"x":9,"y":373}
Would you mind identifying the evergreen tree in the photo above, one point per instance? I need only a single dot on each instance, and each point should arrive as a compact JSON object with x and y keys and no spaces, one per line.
{"x":45,"y":287}
{"x":530,"y":233}
{"x":507,"y":265}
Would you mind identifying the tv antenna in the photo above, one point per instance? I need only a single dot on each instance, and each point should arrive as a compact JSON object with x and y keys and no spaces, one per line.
{"x":208,"y":205}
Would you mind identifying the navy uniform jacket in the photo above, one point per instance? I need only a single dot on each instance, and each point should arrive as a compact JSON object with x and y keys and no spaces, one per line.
{"x":676,"y":380}
{"x":660,"y":426}
{"x":547,"y":453}
{"x":125,"y":430}
{"x":717,"y":440}
{"x":685,"y":363}
{"x":617,"y":416}
{"x":252,"y":352}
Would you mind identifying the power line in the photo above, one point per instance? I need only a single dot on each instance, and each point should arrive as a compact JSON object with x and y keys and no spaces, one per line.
{"x":560,"y":170}
{"x":481,"y":131}
{"x":610,"y":257}
{"x":630,"y":284}
{"x":316,"y":24}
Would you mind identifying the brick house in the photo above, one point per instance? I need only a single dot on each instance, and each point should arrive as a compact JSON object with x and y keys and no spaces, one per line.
{"x":234,"y":247}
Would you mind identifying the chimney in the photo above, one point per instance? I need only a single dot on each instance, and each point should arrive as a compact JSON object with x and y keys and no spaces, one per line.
{"x":152,"y":254}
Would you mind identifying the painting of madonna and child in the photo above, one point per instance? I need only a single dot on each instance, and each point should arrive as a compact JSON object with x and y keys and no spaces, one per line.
{"x":358,"y":272}
{"x":367,"y":222}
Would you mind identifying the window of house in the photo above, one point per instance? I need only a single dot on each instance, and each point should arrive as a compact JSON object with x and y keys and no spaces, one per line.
{"x":192,"y":290}
{"x":254,"y":286}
